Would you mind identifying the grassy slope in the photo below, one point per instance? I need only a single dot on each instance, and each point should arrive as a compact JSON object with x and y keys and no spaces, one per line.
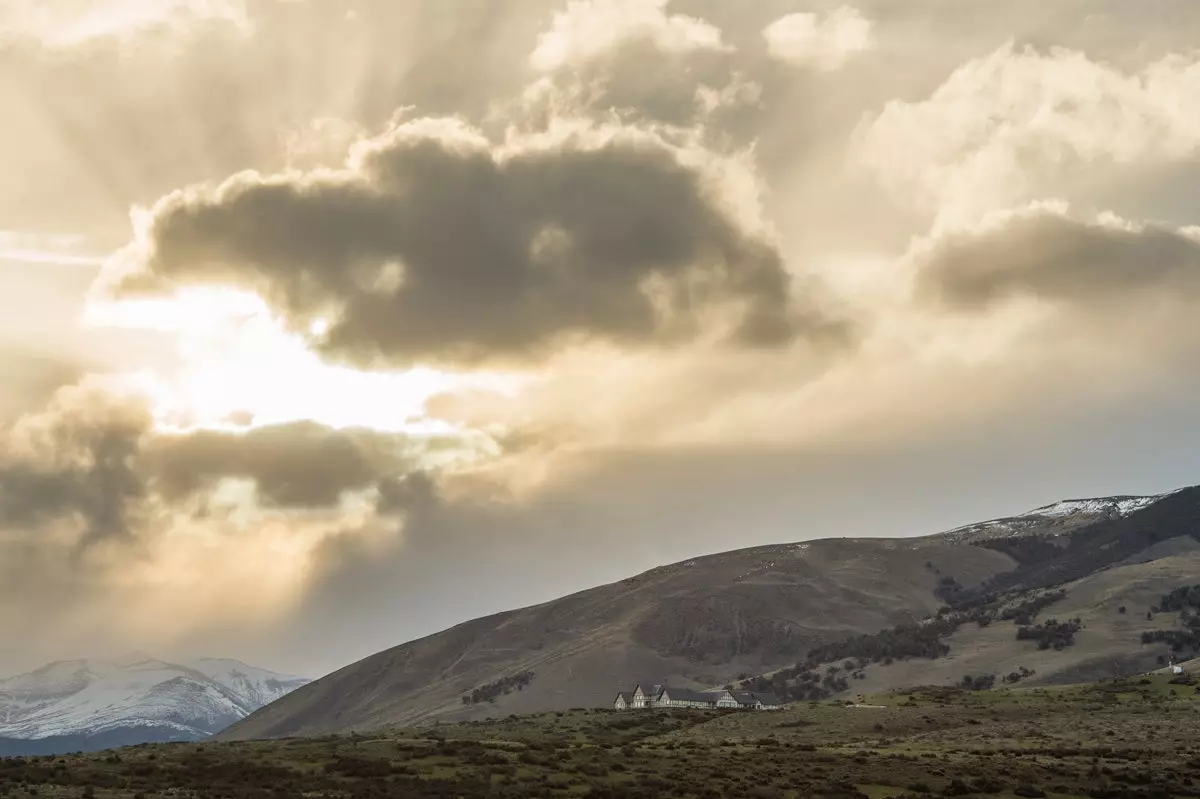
{"x":1107,"y":646}
{"x":699,"y":623}
{"x":1135,"y":738}
{"x":702,"y":622}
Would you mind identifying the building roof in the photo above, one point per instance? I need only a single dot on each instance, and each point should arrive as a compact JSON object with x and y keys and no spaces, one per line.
{"x":767,"y":698}
{"x":650,"y":689}
{"x":744,"y":697}
{"x":688,"y":695}
{"x":626,"y":695}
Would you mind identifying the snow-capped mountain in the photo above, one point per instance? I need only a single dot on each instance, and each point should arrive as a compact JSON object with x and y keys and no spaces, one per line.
{"x":1055,"y":518}
{"x":86,"y":704}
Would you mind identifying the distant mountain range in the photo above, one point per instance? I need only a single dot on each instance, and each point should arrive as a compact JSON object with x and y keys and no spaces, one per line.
{"x":929,"y":610}
{"x":84,"y":705}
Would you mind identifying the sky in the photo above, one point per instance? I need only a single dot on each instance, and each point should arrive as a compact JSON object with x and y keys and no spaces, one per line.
{"x":325,"y":325}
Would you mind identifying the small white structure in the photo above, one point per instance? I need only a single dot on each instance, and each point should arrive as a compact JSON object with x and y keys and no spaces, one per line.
{"x":649,"y":696}
{"x":1177,"y":669}
{"x":644,"y":696}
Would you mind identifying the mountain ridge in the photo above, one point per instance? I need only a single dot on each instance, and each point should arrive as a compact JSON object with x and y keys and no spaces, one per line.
{"x":708,"y":620}
{"x":78,"y":703}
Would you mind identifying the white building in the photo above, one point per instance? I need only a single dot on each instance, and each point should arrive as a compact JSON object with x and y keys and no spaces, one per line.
{"x":651,"y":696}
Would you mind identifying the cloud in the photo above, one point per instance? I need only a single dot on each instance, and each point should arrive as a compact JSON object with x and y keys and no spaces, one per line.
{"x":72,"y":23}
{"x":587,"y":29}
{"x":1041,"y":252}
{"x":300,"y":465}
{"x":93,"y":461}
{"x":30,"y":377}
{"x":632,"y":60}
{"x":113,"y":528}
{"x":1007,"y":126}
{"x":822,"y":42}
{"x":436,"y":244}
{"x":74,"y":460}
{"x":603,"y":196}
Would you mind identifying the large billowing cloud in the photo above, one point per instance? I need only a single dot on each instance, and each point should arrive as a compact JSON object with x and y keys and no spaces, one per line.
{"x":93,"y":459}
{"x":1043,"y":253}
{"x":113,"y":528}
{"x":73,"y":460}
{"x":437,"y":244}
{"x":1005,"y":127}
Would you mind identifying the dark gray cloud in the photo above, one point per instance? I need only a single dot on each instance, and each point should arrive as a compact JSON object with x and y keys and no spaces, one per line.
{"x":76,"y":458}
{"x":440,"y":246}
{"x":93,"y":455}
{"x":297,"y":465}
{"x":1054,"y":257}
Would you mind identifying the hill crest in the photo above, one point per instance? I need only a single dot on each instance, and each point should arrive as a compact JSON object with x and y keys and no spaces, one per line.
{"x":706,"y":621}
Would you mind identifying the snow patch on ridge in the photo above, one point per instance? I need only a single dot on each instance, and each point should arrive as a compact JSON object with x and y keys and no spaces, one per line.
{"x":1055,"y":518}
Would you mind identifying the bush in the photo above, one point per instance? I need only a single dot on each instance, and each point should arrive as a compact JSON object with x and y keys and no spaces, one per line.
{"x":981,"y":683}
{"x":505,"y":685}
{"x":1051,"y":633}
{"x":1029,"y":791}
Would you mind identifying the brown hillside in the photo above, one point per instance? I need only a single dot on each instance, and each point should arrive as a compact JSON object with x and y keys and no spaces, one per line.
{"x":699,"y":622}
{"x":1108,"y":645}
{"x":707,"y":621}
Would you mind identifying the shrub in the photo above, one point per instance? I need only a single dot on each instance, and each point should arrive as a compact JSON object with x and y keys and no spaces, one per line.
{"x":505,"y":685}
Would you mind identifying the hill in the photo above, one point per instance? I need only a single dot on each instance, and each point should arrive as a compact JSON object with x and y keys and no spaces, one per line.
{"x":1127,"y":739}
{"x":708,"y":621}
{"x":80,"y":705}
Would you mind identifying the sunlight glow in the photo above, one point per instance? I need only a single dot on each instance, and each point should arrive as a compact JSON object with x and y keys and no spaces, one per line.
{"x":236,"y":361}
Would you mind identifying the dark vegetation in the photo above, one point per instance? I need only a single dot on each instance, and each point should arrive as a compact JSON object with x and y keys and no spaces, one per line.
{"x":1043,"y":563}
{"x":1024,"y":612}
{"x":1016,"y":676}
{"x":1017,"y":596}
{"x":811,"y":679}
{"x":1186,"y":642}
{"x":949,"y":591}
{"x":1051,"y":634}
{"x":1184,"y":598}
{"x":505,"y":685}
{"x":981,"y":682}
{"x":1130,"y":739}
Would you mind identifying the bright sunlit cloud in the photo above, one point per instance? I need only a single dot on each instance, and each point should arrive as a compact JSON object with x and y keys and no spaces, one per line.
{"x":68,"y":23}
{"x":236,"y":361}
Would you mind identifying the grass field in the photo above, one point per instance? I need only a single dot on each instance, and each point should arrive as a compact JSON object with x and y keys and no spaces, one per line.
{"x":1132,"y":738}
